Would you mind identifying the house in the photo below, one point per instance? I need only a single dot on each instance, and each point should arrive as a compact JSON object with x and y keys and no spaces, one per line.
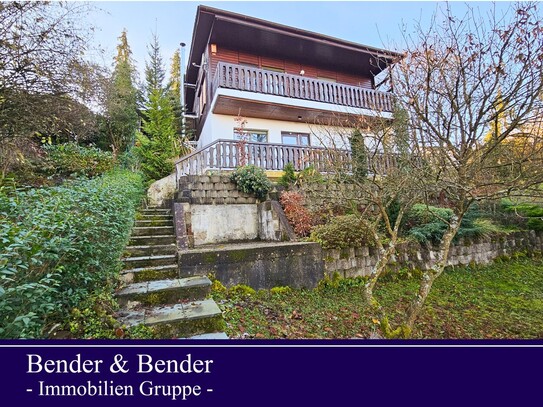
{"x":276,"y":88}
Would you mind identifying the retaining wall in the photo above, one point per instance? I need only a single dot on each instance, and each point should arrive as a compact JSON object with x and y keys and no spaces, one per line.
{"x":360,"y":261}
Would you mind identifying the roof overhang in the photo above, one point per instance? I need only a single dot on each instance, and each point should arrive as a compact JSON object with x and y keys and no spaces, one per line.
{"x":254,"y":35}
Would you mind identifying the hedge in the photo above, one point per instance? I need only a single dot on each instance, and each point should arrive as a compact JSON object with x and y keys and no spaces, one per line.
{"x":59,"y":244}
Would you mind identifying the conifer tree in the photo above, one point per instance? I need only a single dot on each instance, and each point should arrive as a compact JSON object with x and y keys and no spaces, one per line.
{"x":157,"y":143}
{"x":121,"y":109}
{"x":154,"y":68}
{"x":174,"y":87}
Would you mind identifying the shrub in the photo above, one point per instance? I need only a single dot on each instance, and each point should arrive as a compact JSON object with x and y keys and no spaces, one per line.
{"x":342,"y":232}
{"x":241,"y":291}
{"x":282,"y":290}
{"x":289,"y":177}
{"x":73,"y":159}
{"x":296,"y":213}
{"x":59,"y":245}
{"x":252,"y":180}
{"x":530,"y":215}
{"x":427,"y":224}
{"x":309,"y":175}
{"x":359,"y":156}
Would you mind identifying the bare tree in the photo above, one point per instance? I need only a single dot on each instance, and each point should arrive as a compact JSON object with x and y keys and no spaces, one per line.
{"x":461,"y":80}
{"x":380,"y":182}
{"x":43,"y":74}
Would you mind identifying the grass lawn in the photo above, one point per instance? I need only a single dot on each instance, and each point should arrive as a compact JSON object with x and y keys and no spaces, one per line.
{"x":503,"y":300}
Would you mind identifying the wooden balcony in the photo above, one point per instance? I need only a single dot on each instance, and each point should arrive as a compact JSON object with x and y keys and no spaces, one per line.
{"x":229,"y":154}
{"x":250,"y":79}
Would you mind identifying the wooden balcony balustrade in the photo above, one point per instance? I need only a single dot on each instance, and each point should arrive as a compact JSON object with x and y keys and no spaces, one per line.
{"x":229,"y":154}
{"x":250,"y":79}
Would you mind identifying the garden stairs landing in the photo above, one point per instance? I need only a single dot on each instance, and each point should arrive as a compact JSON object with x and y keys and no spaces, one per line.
{"x":153,"y":294}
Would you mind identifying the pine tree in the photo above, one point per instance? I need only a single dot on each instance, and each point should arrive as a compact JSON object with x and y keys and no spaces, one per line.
{"x":157,"y":144}
{"x":121,"y":109}
{"x":154,"y":68}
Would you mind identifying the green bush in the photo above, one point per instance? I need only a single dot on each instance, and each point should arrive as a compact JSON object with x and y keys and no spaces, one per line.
{"x":527,"y":215}
{"x":73,"y":159}
{"x":252,"y":180}
{"x":428,"y":224}
{"x":241,"y":291}
{"x":288,"y":178}
{"x":342,"y":232}
{"x":59,"y":245}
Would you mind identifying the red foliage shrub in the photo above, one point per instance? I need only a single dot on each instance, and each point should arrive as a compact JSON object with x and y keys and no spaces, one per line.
{"x":298,"y":216}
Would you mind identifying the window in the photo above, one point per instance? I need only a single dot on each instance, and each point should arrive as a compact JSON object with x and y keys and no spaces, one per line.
{"x":255,"y":136}
{"x":296,"y":139}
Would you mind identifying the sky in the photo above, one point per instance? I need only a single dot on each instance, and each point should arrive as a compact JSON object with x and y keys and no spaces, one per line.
{"x":373,"y":23}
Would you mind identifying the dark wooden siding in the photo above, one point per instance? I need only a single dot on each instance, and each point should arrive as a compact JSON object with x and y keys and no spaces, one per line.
{"x":290,"y":67}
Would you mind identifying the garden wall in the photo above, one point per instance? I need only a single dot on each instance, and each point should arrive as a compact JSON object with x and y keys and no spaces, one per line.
{"x":321,"y":195}
{"x":215,"y":211}
{"x":359,"y":261}
{"x":211,"y":190}
{"x":258,"y":265}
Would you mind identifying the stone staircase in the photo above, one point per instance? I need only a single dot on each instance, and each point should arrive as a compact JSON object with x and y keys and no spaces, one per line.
{"x":154,"y":294}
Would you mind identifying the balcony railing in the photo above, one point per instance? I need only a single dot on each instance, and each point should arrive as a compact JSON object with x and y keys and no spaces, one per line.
{"x":229,"y":154}
{"x":250,"y":79}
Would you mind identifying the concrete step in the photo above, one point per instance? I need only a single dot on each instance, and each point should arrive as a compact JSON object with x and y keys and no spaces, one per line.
{"x":152,"y":240}
{"x":164,"y":292}
{"x":179,"y":320}
{"x":155,"y":249}
{"x":152,"y":230}
{"x":154,"y":222}
{"x":155,"y":211}
{"x":149,"y":261}
{"x":141,"y":274}
{"x":213,"y":335}
{"x":142,"y":216}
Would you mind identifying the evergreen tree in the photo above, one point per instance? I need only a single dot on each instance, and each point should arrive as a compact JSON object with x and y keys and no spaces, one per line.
{"x":154,"y":68}
{"x":174,"y":88}
{"x":359,"y":156}
{"x":121,"y":109}
{"x":157,"y":144}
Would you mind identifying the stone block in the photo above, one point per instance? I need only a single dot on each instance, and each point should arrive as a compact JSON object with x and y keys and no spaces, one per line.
{"x":334,"y":253}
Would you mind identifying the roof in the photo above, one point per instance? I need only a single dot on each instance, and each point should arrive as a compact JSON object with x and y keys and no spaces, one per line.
{"x":255,"y":35}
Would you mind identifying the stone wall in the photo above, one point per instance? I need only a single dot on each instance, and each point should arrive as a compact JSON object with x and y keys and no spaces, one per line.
{"x":258,"y":265}
{"x":359,"y":261}
{"x":211,"y":190}
{"x":161,"y":192}
{"x":319,"y":195}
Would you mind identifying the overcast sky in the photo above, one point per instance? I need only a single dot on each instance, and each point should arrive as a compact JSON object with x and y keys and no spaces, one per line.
{"x":371,"y":23}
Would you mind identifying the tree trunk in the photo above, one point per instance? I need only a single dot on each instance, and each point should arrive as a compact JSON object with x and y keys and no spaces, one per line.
{"x":429,"y":276}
